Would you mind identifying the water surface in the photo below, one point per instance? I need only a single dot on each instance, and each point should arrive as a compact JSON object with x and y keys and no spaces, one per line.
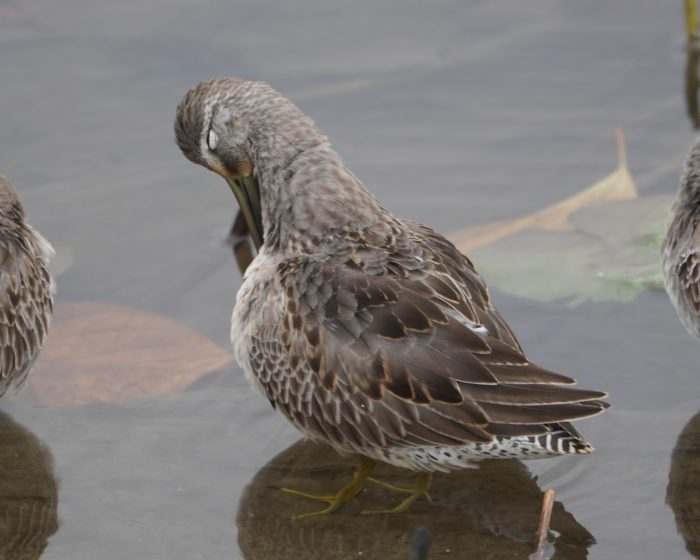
{"x":454,"y":114}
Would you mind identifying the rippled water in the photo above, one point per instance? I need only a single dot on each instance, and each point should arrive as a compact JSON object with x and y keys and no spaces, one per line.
{"x":453,"y":115}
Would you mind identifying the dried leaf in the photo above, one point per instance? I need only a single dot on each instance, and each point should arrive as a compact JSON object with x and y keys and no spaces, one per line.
{"x":101,"y":352}
{"x":690,"y":9}
{"x":619,"y":185}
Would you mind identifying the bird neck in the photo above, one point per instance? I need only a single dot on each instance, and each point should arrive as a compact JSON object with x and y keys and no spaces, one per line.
{"x":311,"y":202}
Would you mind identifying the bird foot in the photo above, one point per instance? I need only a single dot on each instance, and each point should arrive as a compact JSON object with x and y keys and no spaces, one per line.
{"x":345,"y":494}
{"x":421,"y":489}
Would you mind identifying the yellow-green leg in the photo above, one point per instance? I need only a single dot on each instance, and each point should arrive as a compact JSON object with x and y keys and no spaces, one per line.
{"x":345,"y":494}
{"x":421,"y":489}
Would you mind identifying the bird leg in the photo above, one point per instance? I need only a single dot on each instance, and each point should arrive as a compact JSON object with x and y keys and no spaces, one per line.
{"x":421,"y":489}
{"x":345,"y":494}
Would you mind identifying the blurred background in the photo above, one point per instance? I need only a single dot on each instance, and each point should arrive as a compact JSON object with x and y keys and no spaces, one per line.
{"x":456,"y":114}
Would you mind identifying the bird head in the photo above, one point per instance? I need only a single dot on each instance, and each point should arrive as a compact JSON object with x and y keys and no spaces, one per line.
{"x":214,"y":128}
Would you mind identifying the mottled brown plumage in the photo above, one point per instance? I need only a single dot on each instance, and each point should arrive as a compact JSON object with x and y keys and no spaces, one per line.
{"x":680,"y":251}
{"x":367,"y":331}
{"x":26,"y":291}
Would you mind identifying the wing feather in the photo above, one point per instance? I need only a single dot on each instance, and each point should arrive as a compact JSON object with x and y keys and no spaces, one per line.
{"x":408,"y":361}
{"x":26,"y":305}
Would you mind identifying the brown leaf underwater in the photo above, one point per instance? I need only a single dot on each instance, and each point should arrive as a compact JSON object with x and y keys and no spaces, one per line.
{"x":104,"y":352}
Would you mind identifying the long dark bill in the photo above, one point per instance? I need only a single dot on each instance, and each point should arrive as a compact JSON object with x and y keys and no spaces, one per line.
{"x":247,"y":193}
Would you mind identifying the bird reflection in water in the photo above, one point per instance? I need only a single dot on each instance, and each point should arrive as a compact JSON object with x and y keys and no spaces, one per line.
{"x":683,"y":491}
{"x":28,"y":493}
{"x":488,"y":512}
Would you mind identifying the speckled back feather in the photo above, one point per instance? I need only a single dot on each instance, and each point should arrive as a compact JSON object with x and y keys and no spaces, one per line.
{"x":680,"y":250}
{"x":26,"y":291}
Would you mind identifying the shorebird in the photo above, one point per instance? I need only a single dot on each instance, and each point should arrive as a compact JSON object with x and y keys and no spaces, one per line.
{"x":368,"y":332}
{"x":680,"y":250}
{"x":26,"y":291}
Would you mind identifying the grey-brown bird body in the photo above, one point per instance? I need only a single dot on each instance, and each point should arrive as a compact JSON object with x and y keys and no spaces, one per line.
{"x":680,"y":251}
{"x":366,"y":331}
{"x":26,"y":291}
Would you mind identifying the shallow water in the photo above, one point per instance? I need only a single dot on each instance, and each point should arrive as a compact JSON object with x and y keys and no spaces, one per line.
{"x":453,"y":115}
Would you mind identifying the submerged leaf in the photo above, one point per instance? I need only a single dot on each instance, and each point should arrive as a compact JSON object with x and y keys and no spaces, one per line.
{"x":101,"y":352}
{"x":600,"y":244}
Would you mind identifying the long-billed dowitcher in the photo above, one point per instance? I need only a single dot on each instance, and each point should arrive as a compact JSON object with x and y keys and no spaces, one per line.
{"x":680,"y":251}
{"x":26,"y":291}
{"x":368,"y":332}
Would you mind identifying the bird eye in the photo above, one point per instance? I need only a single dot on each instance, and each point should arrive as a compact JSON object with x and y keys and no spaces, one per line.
{"x":212,"y":140}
